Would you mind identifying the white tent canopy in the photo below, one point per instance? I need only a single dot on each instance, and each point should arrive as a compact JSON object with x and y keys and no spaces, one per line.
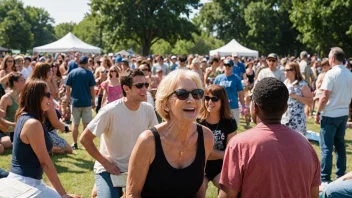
{"x":232,"y":47}
{"x":68,"y":43}
{"x":123,"y":53}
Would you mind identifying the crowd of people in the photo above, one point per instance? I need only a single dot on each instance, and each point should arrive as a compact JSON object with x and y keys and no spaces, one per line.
{"x":168,"y":126}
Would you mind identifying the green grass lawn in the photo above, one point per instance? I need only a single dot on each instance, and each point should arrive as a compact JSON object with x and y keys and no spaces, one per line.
{"x":76,"y":170}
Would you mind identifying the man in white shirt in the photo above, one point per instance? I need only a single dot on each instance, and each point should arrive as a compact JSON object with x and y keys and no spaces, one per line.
{"x":332,"y":114}
{"x":19,"y":66}
{"x":27,"y":65}
{"x":160,"y":65}
{"x":118,"y":126}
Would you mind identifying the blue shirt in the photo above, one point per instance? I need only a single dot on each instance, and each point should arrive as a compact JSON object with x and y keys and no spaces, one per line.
{"x":80,"y":80}
{"x":173,"y":66}
{"x":232,"y":85}
{"x":239,"y":69}
{"x":72,"y":65}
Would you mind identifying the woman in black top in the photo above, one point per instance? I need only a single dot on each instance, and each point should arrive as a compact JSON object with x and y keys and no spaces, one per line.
{"x":216,"y":115}
{"x":169,"y":159}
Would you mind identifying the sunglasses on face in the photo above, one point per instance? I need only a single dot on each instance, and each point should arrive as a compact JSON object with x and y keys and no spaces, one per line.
{"x":288,"y":70}
{"x":272,"y":60}
{"x":228,"y":65}
{"x":140,"y":85}
{"x":104,"y":71}
{"x":213,"y":99}
{"x":182,"y":94}
{"x":145,"y":70}
{"x":18,"y":61}
{"x":325,"y":65}
{"x":47,"y":94}
{"x":9,"y":61}
{"x":113,"y":71}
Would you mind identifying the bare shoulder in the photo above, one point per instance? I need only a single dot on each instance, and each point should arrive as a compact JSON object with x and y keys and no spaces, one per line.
{"x":2,"y":73}
{"x":146,"y":138}
{"x":208,"y":135}
{"x":32,"y":124}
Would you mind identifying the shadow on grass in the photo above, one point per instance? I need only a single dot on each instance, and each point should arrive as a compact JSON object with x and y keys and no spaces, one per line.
{"x":7,"y":152}
{"x":75,"y":160}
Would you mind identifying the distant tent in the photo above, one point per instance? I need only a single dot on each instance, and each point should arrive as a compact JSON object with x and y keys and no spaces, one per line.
{"x":2,"y":49}
{"x":123,"y":53}
{"x":68,"y":43}
{"x":232,"y":47}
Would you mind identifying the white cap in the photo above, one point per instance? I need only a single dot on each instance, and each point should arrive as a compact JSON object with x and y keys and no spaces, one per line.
{"x":222,"y":58}
{"x":204,"y":60}
{"x":165,"y":59}
{"x":173,"y":57}
{"x":110,"y":54}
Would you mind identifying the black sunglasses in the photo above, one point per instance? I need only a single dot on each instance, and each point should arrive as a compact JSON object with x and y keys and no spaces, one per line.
{"x":287,"y":70}
{"x":47,"y":94}
{"x":228,"y":65}
{"x":272,"y":60}
{"x":104,"y":71}
{"x":213,"y":99}
{"x":182,"y":94}
{"x":140,"y":85}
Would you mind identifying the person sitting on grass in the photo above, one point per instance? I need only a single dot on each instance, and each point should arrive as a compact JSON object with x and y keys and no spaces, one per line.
{"x":32,"y":143}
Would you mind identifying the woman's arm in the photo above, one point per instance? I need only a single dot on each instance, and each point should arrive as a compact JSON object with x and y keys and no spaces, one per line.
{"x":217,"y":154}
{"x":104,"y":97}
{"x":33,"y":134}
{"x":4,"y":102}
{"x":307,"y":97}
{"x":142,"y":156}
{"x":320,"y":80}
{"x":208,"y":145}
{"x":97,"y":73}
{"x":207,"y":72}
{"x":54,"y":120}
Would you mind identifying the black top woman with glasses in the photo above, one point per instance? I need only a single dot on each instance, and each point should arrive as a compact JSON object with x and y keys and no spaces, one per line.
{"x":169,"y":159}
{"x":216,"y":115}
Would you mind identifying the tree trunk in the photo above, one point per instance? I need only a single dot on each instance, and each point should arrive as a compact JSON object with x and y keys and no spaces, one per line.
{"x":146,"y":48}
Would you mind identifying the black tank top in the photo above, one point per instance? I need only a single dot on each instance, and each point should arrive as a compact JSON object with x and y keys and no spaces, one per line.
{"x":163,"y":180}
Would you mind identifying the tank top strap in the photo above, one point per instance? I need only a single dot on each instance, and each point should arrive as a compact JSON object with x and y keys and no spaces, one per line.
{"x":158,"y":147}
{"x":200,"y":144}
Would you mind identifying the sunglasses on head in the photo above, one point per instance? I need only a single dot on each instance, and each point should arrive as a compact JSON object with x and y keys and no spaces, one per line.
{"x":47,"y":94}
{"x":213,"y":99}
{"x":182,"y":94}
{"x":140,"y":85}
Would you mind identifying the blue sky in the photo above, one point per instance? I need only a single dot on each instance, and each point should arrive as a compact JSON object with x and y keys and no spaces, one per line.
{"x":65,"y":10}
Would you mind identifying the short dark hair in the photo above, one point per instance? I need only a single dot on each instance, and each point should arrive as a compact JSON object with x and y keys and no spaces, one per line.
{"x":14,"y":76}
{"x":271,"y":96}
{"x":182,"y":58}
{"x":338,"y":54}
{"x":127,"y":78}
{"x":146,"y":62}
{"x":214,"y":59}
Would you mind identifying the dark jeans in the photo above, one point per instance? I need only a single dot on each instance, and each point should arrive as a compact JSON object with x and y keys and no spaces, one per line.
{"x":100,"y":99}
{"x":3,"y":173}
{"x":332,"y":134}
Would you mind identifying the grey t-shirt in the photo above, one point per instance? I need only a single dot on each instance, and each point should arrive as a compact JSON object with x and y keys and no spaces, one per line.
{"x":278,"y":74}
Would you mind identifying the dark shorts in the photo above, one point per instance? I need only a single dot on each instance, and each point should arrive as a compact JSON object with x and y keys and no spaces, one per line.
{"x":213,"y":168}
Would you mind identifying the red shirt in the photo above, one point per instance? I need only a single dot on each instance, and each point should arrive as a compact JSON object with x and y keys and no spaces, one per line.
{"x":270,"y":161}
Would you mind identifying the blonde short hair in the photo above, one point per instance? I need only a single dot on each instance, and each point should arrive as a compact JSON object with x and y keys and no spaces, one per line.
{"x":168,"y":85}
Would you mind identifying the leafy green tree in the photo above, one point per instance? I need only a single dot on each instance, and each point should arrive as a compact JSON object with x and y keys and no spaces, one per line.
{"x":323,"y":24}
{"x":147,"y":21}
{"x":14,"y":29}
{"x":40,"y":25}
{"x":63,"y":28}
{"x":88,"y":30}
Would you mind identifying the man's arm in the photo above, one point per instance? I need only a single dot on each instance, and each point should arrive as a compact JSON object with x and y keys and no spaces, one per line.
{"x":322,"y":103}
{"x":68,"y":93}
{"x":92,"y":93}
{"x":227,"y":192}
{"x":86,"y":140}
{"x":241,"y":98}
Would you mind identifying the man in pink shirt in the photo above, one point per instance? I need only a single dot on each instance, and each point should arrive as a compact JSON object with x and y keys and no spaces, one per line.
{"x":270,"y":160}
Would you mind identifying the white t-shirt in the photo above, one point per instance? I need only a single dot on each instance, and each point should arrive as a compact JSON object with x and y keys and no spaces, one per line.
{"x":278,"y":74}
{"x":338,"y":80}
{"x":25,"y":73}
{"x":118,"y":129}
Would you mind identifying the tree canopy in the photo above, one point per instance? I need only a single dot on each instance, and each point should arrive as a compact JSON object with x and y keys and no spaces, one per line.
{"x":147,"y":21}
